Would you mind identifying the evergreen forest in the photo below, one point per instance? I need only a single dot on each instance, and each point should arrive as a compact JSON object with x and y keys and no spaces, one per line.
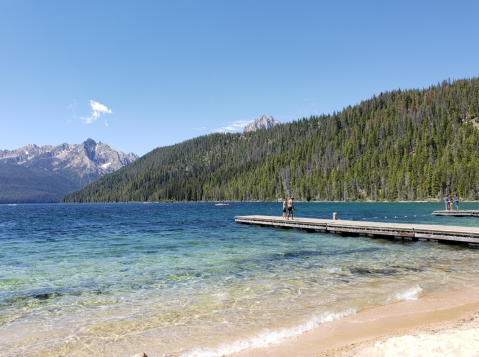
{"x":401,"y":145}
{"x":20,"y":184}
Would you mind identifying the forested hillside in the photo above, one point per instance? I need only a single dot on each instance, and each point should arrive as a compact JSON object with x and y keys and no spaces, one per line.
{"x":20,"y":184}
{"x":400,"y":145}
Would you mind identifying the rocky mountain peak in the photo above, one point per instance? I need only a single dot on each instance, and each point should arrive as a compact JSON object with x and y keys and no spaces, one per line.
{"x":265,"y":122}
{"x":90,"y":147}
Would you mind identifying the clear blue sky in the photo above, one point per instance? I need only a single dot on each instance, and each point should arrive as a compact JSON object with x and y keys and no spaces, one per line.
{"x":142,"y":74}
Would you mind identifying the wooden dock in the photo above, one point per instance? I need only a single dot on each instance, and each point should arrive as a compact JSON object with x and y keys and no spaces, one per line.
{"x":463,"y":213}
{"x":411,"y":232}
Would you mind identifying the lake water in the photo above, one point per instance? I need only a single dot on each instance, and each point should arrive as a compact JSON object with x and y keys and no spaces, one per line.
{"x":183,"y":279}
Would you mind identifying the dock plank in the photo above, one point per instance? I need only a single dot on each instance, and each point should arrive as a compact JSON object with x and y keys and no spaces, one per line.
{"x":463,"y":213}
{"x":446,"y":234}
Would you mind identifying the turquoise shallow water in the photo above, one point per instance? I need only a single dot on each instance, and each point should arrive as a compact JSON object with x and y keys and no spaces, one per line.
{"x":185,"y":280}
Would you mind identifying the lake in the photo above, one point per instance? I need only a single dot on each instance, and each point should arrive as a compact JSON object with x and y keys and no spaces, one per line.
{"x":183,"y":279}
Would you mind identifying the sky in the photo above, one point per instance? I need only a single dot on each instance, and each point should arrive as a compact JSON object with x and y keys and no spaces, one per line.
{"x":138,"y":75}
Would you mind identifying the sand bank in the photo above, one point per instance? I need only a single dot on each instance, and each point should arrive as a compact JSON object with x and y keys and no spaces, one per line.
{"x":435,"y":325}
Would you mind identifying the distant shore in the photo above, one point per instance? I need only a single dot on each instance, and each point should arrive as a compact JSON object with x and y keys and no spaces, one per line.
{"x":441,"y":323}
{"x":274,"y":201}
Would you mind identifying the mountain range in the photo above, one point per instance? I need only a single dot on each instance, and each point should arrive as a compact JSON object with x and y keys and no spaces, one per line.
{"x":47,"y":173}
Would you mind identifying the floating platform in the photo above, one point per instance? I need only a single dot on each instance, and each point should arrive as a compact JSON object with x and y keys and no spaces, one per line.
{"x":411,"y":232}
{"x":464,"y":213}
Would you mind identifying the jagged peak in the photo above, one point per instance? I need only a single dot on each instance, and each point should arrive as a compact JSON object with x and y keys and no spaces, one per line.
{"x":264,"y":122}
{"x":89,"y":142}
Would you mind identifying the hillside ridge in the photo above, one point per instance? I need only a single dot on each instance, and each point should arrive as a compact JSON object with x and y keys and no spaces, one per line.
{"x":400,"y":145}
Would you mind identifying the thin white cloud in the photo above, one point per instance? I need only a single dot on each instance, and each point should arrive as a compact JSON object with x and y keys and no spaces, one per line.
{"x":200,"y":129}
{"x":311,"y":102}
{"x":233,"y":127}
{"x":72,"y":105}
{"x":97,"y":110}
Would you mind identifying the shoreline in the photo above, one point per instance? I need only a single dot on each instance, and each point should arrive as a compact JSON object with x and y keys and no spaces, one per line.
{"x":368,"y":333}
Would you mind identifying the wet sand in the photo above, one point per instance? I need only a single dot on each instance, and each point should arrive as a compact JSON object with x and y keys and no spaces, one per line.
{"x":440,"y":324}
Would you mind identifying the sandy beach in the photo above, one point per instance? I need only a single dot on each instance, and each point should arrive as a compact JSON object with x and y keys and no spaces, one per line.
{"x":445,"y":324}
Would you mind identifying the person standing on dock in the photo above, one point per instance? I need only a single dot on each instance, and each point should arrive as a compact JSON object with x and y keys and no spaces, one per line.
{"x":446,"y":200}
{"x":456,"y":202}
{"x":285,"y":203}
{"x":290,"y":207}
